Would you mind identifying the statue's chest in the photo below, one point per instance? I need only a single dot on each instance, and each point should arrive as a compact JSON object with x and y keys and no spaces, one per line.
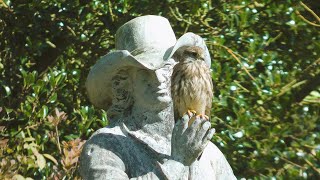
{"x":139,"y":159}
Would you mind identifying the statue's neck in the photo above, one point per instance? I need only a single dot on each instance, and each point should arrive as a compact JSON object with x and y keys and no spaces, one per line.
{"x":153,"y":128}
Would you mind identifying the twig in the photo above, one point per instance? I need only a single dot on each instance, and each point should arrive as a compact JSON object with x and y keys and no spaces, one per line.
{"x":58,"y":140}
{"x":315,"y":64}
{"x":71,"y":30}
{"x":292,"y":163}
{"x":186,"y":29}
{"x":312,"y":166}
{"x":5,"y":5}
{"x":271,"y":40}
{"x":306,"y":20}
{"x":206,"y":24}
{"x":243,"y":88}
{"x":110,"y":10}
{"x":238,"y":60}
{"x":178,"y":18}
{"x":24,"y":128}
{"x":294,"y":83}
{"x":310,"y":10}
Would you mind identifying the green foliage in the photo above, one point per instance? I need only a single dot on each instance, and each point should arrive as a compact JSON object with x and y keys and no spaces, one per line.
{"x":266,"y":108}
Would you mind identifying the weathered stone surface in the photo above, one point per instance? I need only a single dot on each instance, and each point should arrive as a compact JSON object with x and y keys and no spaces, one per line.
{"x":142,"y":140}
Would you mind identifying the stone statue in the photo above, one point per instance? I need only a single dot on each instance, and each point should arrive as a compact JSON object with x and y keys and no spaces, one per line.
{"x":142,"y":140}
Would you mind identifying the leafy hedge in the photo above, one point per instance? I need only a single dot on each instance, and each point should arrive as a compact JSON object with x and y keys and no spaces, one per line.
{"x":266,"y":108}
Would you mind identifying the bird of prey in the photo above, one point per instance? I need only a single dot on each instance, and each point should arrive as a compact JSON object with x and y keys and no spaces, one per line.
{"x":191,"y":84}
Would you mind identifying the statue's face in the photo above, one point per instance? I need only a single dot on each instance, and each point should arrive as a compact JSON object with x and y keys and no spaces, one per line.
{"x":152,"y":88}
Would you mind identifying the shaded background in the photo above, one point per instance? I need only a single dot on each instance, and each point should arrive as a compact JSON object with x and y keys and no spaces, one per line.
{"x":266,"y":71}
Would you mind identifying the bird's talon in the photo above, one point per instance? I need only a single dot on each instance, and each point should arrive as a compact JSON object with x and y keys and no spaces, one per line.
{"x":203,"y":116}
{"x":191,"y":113}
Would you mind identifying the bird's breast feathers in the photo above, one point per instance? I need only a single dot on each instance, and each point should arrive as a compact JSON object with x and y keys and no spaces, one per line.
{"x":191,"y":85}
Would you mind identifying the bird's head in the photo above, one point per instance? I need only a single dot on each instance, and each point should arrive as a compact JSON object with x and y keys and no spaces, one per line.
{"x":193,"y":53}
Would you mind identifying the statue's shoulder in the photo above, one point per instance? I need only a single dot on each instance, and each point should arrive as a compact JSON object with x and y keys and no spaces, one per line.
{"x":214,"y":150}
{"x":107,"y":137}
{"x":104,"y":149}
{"x":214,"y":155}
{"x":116,"y":130}
{"x":215,"y":159}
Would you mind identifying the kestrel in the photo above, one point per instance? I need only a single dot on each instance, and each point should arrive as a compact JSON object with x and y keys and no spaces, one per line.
{"x":191,"y":84}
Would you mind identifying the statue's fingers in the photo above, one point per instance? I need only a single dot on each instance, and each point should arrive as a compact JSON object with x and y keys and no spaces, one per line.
{"x":209,"y":135}
{"x":195,"y":124}
{"x":177,"y":128}
{"x":194,"y":127}
{"x":203,"y":130}
{"x":182,"y":124}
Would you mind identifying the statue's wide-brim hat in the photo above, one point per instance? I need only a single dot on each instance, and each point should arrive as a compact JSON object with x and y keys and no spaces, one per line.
{"x":146,"y":42}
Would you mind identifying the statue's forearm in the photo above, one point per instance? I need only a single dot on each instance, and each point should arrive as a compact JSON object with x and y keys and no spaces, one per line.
{"x":168,"y":170}
{"x":173,"y":170}
{"x":113,"y":167}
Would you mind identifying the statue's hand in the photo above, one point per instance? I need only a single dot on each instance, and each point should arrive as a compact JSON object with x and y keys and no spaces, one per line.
{"x":189,"y":142}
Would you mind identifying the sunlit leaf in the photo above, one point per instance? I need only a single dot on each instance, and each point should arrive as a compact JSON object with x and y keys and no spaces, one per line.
{"x":48,"y":156}
{"x":41,"y":162}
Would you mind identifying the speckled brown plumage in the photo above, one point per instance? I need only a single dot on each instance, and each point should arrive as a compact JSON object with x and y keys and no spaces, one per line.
{"x":191,"y":83}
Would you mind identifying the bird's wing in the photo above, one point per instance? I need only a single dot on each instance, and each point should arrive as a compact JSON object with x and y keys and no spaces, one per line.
{"x":175,"y":93}
{"x":209,"y":96}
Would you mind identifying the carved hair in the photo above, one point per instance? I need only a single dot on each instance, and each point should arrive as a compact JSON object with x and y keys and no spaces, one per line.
{"x":122,"y":100}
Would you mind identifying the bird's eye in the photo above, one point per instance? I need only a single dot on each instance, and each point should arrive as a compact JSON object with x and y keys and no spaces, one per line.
{"x":194,"y":54}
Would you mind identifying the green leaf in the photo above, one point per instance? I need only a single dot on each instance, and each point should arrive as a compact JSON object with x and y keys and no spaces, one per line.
{"x":28,"y":139}
{"x":41,"y":161}
{"x":53,"y":98}
{"x":44,"y":112}
{"x":7,"y":89}
{"x":18,"y":177}
{"x":48,"y":156}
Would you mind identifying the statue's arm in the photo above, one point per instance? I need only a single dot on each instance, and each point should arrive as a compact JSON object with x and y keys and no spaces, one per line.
{"x":173,"y":170}
{"x":98,"y":161}
{"x":188,"y":142}
{"x":218,"y":162}
{"x":186,"y":146}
